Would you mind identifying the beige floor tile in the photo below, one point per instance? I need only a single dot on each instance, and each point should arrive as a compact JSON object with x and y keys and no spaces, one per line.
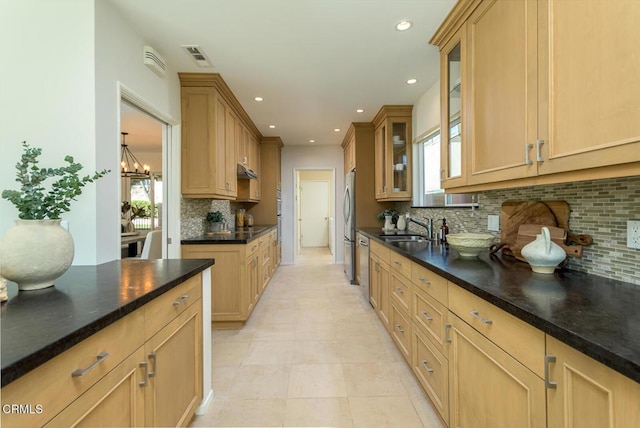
{"x":315,"y":331}
{"x":251,"y":413}
{"x":383,"y":412}
{"x":273,"y":332}
{"x":209,"y":418}
{"x":228,"y":353}
{"x":316,"y":380}
{"x":359,"y":331}
{"x":272,"y":352}
{"x":241,"y":335}
{"x":426,"y":412}
{"x":318,"y":412}
{"x":259,"y":382}
{"x":372,"y":380}
{"x":315,"y":352}
{"x":363,"y":351}
{"x":222,"y":378}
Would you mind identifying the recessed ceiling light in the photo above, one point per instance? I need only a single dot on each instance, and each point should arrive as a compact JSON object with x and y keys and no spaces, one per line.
{"x":312,"y":141}
{"x":412,"y":81}
{"x":259,"y":99}
{"x":403,"y":25}
{"x":360,"y":110}
{"x":337,"y":129}
{"x":272,"y":126}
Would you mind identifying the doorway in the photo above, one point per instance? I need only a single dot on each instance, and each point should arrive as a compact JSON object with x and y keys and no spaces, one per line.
{"x":315,"y":194}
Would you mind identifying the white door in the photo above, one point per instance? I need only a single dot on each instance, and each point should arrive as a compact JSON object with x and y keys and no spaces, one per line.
{"x":314,"y":213}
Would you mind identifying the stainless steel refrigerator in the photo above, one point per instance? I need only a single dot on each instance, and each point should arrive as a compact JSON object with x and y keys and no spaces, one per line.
{"x":349,"y":207}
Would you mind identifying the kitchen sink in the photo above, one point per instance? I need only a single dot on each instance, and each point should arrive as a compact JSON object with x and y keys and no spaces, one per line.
{"x":405,"y":238}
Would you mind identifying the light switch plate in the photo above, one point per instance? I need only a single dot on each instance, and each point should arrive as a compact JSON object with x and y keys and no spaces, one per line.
{"x":493,"y":223}
{"x":633,"y":234}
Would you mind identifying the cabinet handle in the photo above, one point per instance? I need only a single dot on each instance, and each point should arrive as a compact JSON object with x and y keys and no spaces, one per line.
{"x":442,"y":175}
{"x":425,"y":281}
{"x":397,"y":263}
{"x":377,"y":268}
{"x":399,"y":328}
{"x":399,"y":290}
{"x":426,"y":366}
{"x":447,"y":327}
{"x":145,"y":366}
{"x":539,"y":144}
{"x":527,"y":147}
{"x":181,"y":300}
{"x":153,"y":373}
{"x":427,"y":317}
{"x":100,"y":358}
{"x":547,"y":383}
{"x":484,"y":320}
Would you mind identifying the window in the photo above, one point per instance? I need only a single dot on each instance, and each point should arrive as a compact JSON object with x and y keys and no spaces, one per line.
{"x":427,"y":155}
{"x":145,"y":197}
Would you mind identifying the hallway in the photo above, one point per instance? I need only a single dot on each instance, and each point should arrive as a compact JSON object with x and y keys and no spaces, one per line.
{"x":313,"y":354}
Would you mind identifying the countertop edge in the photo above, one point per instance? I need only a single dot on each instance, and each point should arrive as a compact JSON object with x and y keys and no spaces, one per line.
{"x":30,"y":362}
{"x":225,"y":240}
{"x":588,"y":347}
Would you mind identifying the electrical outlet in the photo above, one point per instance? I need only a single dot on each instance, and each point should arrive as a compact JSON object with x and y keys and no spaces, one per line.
{"x":633,"y":234}
{"x":493,"y":222}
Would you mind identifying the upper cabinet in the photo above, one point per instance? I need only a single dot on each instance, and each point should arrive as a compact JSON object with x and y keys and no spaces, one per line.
{"x":215,"y":134}
{"x":546,"y":92}
{"x":393,"y":153}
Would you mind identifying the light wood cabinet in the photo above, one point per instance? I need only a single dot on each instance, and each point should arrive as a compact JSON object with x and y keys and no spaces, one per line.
{"x":588,"y":394}
{"x":349,"y":147}
{"x":393,"y":150}
{"x":249,"y":190}
{"x":548,"y":93}
{"x":266,"y":212}
{"x":379,"y":278}
{"x":488,"y":387}
{"x":264,"y":262}
{"x":400,"y":327}
{"x":431,"y":368}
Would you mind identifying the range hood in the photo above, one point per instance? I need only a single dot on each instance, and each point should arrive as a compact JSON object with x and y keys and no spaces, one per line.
{"x":245,"y":173}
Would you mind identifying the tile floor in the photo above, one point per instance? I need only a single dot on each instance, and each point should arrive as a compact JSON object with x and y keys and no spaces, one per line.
{"x":313,"y":354}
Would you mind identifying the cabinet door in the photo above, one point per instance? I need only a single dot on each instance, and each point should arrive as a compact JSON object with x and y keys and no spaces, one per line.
{"x":502,"y":96}
{"x":252,"y":284}
{"x":398,"y":167}
{"x":432,"y":370}
{"x":489,"y":388}
{"x":374,"y":281}
{"x":589,"y":86}
{"x":588,"y":394}
{"x":222,"y":136}
{"x":384,"y":298}
{"x":175,"y":370}
{"x":381,"y":161}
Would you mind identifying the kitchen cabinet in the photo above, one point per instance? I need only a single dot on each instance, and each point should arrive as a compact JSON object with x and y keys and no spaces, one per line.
{"x":529,"y":115}
{"x":252,"y":285}
{"x":249,"y":190}
{"x":431,"y":368}
{"x":487,"y":386}
{"x":393,"y":150}
{"x":273,"y":252}
{"x":349,"y":147}
{"x":379,"y":282}
{"x":585,"y":393}
{"x":264,"y":262}
{"x":266,"y":212}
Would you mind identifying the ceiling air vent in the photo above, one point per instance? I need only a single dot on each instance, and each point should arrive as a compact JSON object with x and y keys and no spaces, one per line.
{"x":196,"y":52}
{"x":154,"y":61}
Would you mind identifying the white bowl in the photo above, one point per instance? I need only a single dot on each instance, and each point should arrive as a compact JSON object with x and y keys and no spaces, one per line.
{"x":470,"y":244}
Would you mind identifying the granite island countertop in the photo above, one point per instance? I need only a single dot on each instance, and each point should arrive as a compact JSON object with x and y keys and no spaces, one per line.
{"x":600,"y":317}
{"x":238,"y":236}
{"x":35,"y":326}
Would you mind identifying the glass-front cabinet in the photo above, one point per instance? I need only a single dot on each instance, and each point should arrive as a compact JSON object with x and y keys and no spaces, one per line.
{"x":393,"y":153}
{"x":453,"y":159}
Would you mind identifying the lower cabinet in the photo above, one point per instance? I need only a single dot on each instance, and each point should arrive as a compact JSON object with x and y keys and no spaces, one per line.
{"x":400,"y":329}
{"x":432,"y":371}
{"x":252,"y":284}
{"x":379,"y":277}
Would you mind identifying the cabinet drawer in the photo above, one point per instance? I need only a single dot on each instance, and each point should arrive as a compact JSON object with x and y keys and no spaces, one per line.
{"x":432,"y":370}
{"x":401,"y":331}
{"x":401,"y":264}
{"x":273,"y":235}
{"x":521,"y":340}
{"x":429,"y":316}
{"x":380,"y":250}
{"x":52,"y":384}
{"x":162,"y":310}
{"x":401,"y":290}
{"x":428,"y":281}
{"x":252,"y":247}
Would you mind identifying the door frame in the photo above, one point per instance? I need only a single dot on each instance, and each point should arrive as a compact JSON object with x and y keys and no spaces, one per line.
{"x":296,"y":208}
{"x":328,"y":181}
{"x":170,"y":167}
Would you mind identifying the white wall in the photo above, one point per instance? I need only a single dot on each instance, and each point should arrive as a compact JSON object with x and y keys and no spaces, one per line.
{"x":60,"y":93}
{"x":309,"y":157}
{"x":426,"y":112}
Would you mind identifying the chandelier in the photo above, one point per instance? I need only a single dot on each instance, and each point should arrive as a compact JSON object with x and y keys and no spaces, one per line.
{"x":129,"y":164}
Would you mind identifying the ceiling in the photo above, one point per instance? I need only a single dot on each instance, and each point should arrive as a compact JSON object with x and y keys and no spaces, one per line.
{"x":314,"y":62}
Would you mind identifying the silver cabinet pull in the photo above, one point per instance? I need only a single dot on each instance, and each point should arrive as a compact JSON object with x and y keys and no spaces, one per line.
{"x":144,"y":365}
{"x":426,"y":366}
{"x":484,"y":320}
{"x":547,"y":383}
{"x":527,"y":147}
{"x":399,"y":290}
{"x":397,"y":263}
{"x":447,"y":327}
{"x":425,"y":281}
{"x":427,"y":317}
{"x":100,"y":358}
{"x":377,"y":268}
{"x":399,"y":328}
{"x":154,"y":372}
{"x":181,"y":300}
{"x":539,"y":144}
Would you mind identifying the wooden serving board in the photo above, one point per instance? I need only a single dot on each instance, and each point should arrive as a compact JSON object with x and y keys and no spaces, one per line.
{"x":528,"y":232}
{"x":513,"y":214}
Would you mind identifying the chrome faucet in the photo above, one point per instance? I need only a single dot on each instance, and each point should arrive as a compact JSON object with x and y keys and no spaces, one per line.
{"x":428,"y":225}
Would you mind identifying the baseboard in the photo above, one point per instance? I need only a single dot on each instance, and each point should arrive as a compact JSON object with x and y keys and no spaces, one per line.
{"x":202,"y":408}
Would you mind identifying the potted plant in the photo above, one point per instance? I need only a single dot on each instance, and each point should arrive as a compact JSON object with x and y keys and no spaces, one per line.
{"x":37,"y":250}
{"x":389,"y":217}
{"x":215,"y":220}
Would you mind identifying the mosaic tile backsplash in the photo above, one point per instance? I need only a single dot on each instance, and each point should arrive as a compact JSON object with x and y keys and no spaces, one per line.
{"x":194,"y":211}
{"x":599,"y":208}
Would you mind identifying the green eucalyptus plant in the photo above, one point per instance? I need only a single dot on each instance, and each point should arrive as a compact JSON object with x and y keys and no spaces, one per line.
{"x":393,"y":213}
{"x":215,"y":217}
{"x":33,"y":201}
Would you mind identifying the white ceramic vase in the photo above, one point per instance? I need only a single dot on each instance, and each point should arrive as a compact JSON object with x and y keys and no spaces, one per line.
{"x":388,"y":222}
{"x":34,"y":253}
{"x":402,"y":222}
{"x":543,"y":254}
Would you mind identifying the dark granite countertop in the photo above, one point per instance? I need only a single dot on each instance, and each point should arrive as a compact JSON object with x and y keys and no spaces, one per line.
{"x":35,"y":326}
{"x":239,"y":236}
{"x":598,"y":316}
